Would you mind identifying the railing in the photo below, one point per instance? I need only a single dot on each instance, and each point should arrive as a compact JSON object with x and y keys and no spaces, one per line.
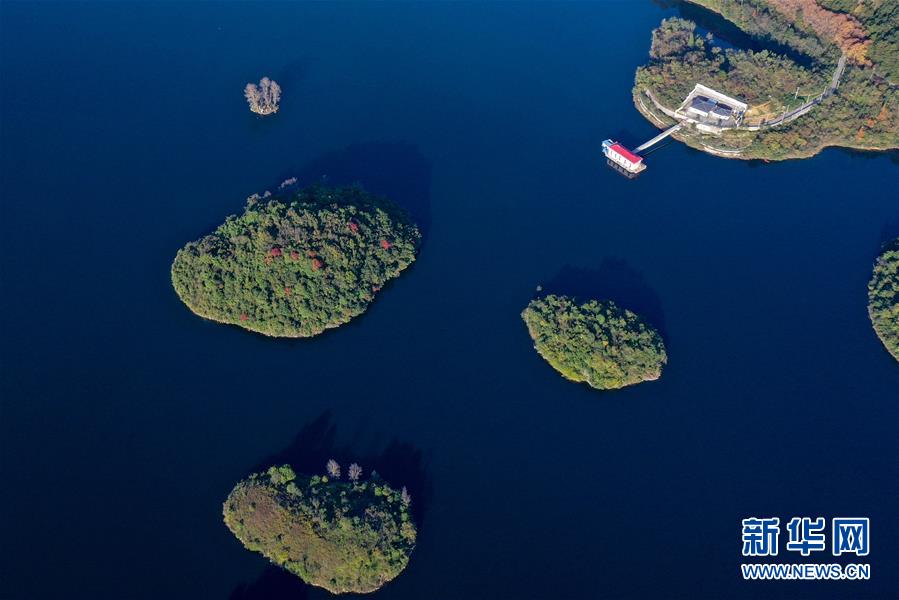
{"x":807,"y":106}
{"x":787,"y":116}
{"x":658,"y":138}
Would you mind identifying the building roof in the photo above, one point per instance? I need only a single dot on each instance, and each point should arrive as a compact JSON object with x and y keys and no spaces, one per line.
{"x":719,"y":98}
{"x":722,"y":111}
{"x":702,"y":105}
{"x":626,"y":153}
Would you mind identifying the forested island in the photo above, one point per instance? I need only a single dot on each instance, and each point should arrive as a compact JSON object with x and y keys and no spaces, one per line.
{"x":296,"y":264}
{"x":594,"y":342}
{"x":883,"y":297}
{"x":800,"y":100}
{"x":342,"y":535}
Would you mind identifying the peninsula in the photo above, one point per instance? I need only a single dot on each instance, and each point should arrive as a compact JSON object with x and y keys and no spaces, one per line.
{"x":296,"y":264}
{"x":597,"y":343}
{"x":829,"y":76}
{"x":883,"y":297}
{"x":347,"y":536}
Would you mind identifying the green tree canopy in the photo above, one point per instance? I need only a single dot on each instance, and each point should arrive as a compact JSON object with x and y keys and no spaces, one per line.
{"x":297,"y":265}
{"x":883,"y":297}
{"x":862,"y":113}
{"x":343,"y":536}
{"x":595,"y":342}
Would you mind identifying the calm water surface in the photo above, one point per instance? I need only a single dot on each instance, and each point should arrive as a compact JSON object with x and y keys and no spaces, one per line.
{"x":126,"y":420}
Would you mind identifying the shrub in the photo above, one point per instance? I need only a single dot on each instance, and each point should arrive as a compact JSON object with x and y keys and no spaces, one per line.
{"x":240,"y":273}
{"x":883,"y":297}
{"x":263,"y":98}
{"x":597,"y":343}
{"x":344,"y":537}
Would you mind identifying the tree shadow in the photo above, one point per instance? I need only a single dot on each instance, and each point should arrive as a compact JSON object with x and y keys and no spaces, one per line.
{"x":396,"y":170}
{"x":613,"y":280}
{"x":861,"y":154}
{"x":398,"y":463}
{"x":310,"y":449}
{"x":291,"y":74}
{"x":731,"y":34}
{"x":273,"y":584}
{"x":888,"y":233}
{"x":289,"y":77}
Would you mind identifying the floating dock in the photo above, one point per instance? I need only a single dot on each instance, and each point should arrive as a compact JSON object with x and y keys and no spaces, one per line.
{"x":628,"y":162}
{"x":622,"y":157}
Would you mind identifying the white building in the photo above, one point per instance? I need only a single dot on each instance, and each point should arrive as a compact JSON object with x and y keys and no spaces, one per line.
{"x":711,"y":110}
{"x":622,"y":157}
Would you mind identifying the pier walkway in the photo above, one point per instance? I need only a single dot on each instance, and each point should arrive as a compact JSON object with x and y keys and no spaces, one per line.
{"x":658,"y":138}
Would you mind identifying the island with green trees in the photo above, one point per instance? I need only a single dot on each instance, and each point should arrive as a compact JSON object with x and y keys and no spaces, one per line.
{"x":827,"y":74}
{"x":595,"y":342}
{"x":345,"y":535}
{"x":883,"y":297}
{"x":296,"y":264}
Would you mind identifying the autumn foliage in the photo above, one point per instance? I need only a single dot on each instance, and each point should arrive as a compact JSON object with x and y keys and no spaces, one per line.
{"x":883,"y":297}
{"x":263,"y":98}
{"x":349,"y":535}
{"x":860,"y":113}
{"x":844,"y":30}
{"x":238,"y":274}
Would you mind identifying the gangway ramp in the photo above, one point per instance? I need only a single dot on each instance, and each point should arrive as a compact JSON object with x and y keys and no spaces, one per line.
{"x":658,"y":138}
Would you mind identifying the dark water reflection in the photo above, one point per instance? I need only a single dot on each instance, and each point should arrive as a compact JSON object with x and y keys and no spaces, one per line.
{"x":398,"y":463}
{"x":615,"y":280}
{"x":728,"y":33}
{"x":126,"y":420}
{"x":274,"y":584}
{"x":375,"y":166}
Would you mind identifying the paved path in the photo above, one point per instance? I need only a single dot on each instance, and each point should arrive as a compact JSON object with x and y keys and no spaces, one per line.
{"x":798,"y":112}
{"x":784,"y":118}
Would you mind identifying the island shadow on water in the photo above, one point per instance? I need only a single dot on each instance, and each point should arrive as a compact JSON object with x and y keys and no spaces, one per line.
{"x":398,"y":463}
{"x":290,"y":78}
{"x":614,"y":280}
{"x":888,"y":233}
{"x":729,"y":33}
{"x":395,"y":170}
{"x":274,"y":584}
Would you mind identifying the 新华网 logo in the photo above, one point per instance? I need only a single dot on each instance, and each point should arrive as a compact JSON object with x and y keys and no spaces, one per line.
{"x":806,"y":535}
{"x":849,"y":535}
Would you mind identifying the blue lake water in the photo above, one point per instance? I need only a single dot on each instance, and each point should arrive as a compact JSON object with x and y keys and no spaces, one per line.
{"x":126,"y":419}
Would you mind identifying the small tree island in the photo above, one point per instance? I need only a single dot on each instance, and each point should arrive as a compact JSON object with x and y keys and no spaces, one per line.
{"x":296,"y":265}
{"x":596,"y":342}
{"x":345,"y":536}
{"x":883,"y":297}
{"x":264,"y":99}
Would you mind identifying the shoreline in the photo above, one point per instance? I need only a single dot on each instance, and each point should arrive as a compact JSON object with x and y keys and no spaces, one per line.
{"x":693,"y":141}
